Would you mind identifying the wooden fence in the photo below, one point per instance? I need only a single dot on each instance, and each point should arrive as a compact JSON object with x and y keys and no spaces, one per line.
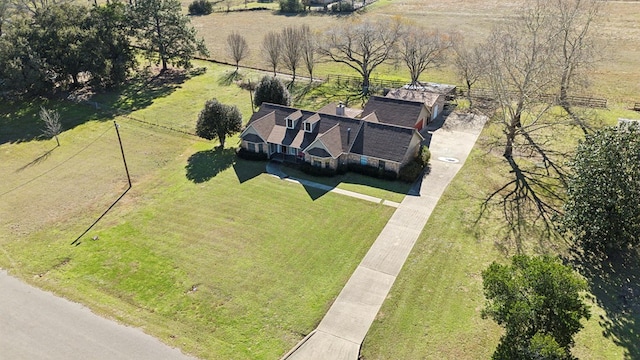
{"x":582,"y":101}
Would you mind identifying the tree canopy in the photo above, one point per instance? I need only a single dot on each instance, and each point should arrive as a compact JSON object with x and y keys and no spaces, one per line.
{"x":217,"y":121}
{"x":602,"y":211}
{"x":273,"y":91}
{"x":539,"y":303}
{"x":165,"y":33}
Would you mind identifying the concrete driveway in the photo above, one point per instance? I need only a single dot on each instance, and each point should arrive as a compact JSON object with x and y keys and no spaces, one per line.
{"x":344,"y":327}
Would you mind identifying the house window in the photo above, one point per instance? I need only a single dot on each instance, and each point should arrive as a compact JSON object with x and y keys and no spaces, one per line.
{"x":381,"y":165}
{"x":290,"y":123}
{"x":317,"y":163}
{"x":260,"y":149}
{"x":307,"y":127}
{"x":363,"y":160}
{"x":251,"y":147}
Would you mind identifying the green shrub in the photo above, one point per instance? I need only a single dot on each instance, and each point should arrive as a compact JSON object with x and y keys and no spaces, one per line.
{"x":342,"y":7}
{"x":271,"y":90}
{"x":316,"y":171}
{"x":201,"y":7}
{"x":424,"y":155}
{"x":291,"y":6}
{"x":373,"y":171}
{"x":250,"y":155}
{"x":411,"y":171}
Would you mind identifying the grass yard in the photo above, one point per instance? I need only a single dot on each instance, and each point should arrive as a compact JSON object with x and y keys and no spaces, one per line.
{"x":433,"y":310}
{"x":205,"y":252}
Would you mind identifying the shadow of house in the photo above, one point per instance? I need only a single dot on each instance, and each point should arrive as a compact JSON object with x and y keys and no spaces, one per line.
{"x":205,"y":165}
{"x":615,"y":284}
{"x":246,"y":170}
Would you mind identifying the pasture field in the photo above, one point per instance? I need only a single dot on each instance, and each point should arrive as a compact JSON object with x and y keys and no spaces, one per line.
{"x":205,"y":252}
{"x":618,"y":30}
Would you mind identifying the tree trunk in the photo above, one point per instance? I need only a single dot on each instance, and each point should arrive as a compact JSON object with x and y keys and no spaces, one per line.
{"x":365,"y":83}
{"x":469,"y":94}
{"x":57,"y":141}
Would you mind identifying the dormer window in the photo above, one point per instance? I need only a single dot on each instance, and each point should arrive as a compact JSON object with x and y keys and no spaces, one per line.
{"x":293,"y":118}
{"x":311,"y":122}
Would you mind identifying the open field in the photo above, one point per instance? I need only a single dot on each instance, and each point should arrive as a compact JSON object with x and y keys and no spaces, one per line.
{"x":203,"y":252}
{"x":616,"y":76}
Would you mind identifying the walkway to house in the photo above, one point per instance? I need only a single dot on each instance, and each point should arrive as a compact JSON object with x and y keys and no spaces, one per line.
{"x":342,"y":330}
{"x":274,"y":169}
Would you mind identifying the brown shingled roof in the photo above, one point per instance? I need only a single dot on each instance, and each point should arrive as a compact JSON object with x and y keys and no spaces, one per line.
{"x":394,"y":111}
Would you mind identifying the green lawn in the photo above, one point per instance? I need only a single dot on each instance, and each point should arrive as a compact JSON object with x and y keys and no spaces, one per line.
{"x":433,"y":309}
{"x":265,"y":258}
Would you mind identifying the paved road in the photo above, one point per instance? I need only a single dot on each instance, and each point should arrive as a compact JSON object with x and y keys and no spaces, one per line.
{"x":35,"y":324}
{"x":342,"y":330}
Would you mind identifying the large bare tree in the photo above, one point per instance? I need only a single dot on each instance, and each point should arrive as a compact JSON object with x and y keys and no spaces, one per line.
{"x":362,"y":45}
{"x":237,"y":47}
{"x":291,"y":38}
{"x":309,"y":50}
{"x":421,"y":49}
{"x":470,"y":63}
{"x":272,"y":49}
{"x":577,"y":50}
{"x":521,"y":71}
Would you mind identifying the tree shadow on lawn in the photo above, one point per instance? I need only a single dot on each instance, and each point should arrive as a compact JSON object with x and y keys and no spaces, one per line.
{"x":142,"y":89}
{"x":205,"y":165}
{"x":20,"y":120}
{"x":615,"y":283}
{"x":38,"y":160}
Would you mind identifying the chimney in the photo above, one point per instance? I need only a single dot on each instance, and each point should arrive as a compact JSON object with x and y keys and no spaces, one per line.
{"x":340,"y":109}
{"x":348,"y":135}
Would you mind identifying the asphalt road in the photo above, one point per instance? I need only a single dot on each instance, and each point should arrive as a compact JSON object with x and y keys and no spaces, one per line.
{"x":35,"y":324}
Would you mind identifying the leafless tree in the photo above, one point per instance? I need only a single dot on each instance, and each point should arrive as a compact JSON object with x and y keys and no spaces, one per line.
{"x":421,"y":49}
{"x":271,"y":49}
{"x":521,"y":71}
{"x":237,"y":47}
{"x":471,"y":64}
{"x":309,"y":49}
{"x":291,"y":38}
{"x":362,"y":45}
{"x":52,"y":125}
{"x":228,"y":4}
{"x":577,"y":51}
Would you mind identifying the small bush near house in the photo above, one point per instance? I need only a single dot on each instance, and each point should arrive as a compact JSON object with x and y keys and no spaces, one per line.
{"x":201,"y":7}
{"x":424,"y":155}
{"x":291,"y":6}
{"x":250,"y":155}
{"x":317,"y":171}
{"x":411,"y":171}
{"x":373,"y":171}
{"x":342,"y":7}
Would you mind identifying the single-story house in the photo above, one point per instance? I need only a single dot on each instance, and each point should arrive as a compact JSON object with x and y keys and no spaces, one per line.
{"x":330,"y":138}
